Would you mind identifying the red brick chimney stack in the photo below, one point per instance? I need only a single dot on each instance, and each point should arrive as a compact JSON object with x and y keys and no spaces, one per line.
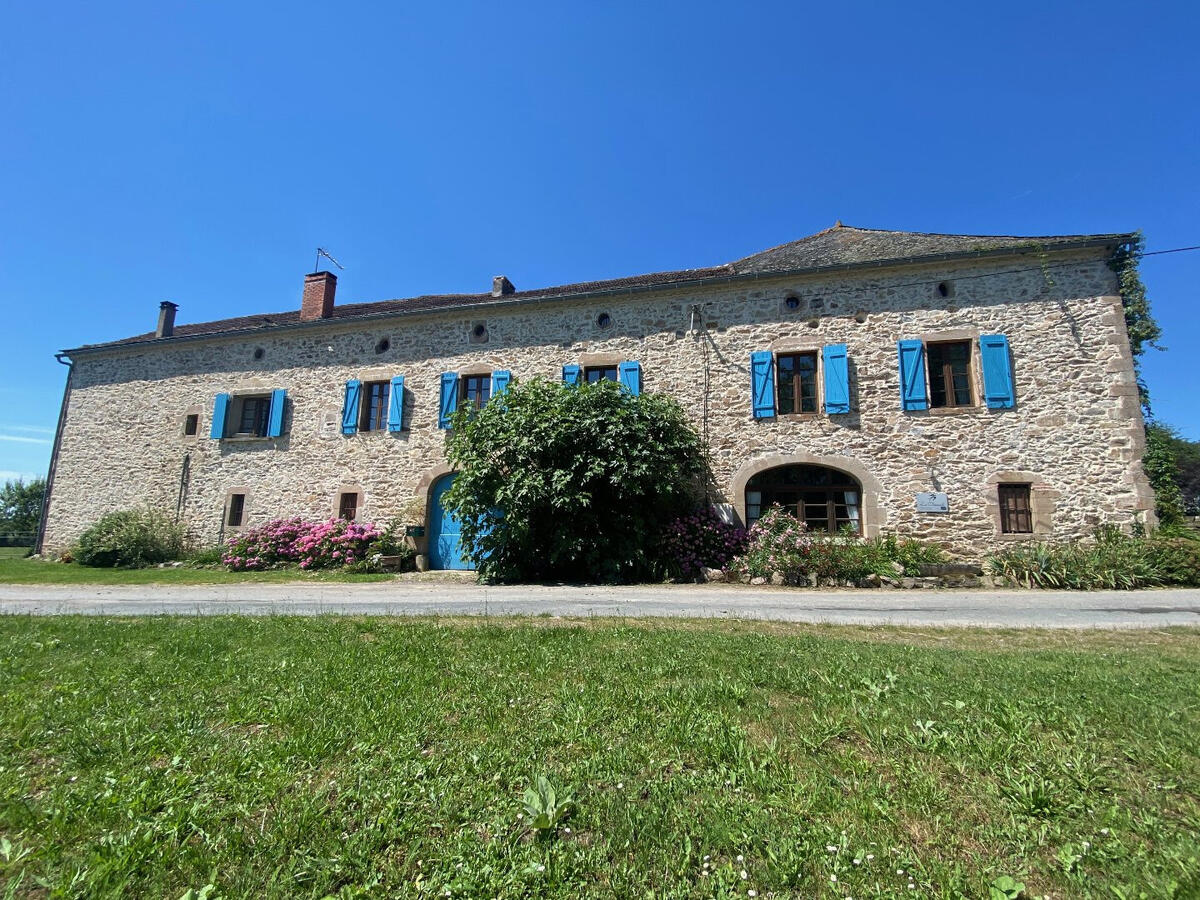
{"x":317,"y":301}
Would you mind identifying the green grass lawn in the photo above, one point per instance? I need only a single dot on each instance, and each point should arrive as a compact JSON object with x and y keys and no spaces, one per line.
{"x":14,"y":570}
{"x":7,"y":553}
{"x":286,"y":757}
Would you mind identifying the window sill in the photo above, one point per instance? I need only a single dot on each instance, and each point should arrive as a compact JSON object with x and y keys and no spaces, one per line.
{"x":245,"y":438}
{"x":1013,"y":537}
{"x":800,"y":416}
{"x":953,"y":410}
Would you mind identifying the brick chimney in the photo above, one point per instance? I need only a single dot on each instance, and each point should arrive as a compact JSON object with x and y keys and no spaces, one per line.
{"x":166,"y":319}
{"x":317,"y":301}
{"x":501,"y":286}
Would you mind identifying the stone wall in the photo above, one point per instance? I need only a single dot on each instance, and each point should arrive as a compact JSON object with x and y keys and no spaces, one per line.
{"x":1076,"y":431}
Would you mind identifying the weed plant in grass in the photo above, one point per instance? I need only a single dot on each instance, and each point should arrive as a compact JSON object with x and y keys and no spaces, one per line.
{"x":379,"y":758}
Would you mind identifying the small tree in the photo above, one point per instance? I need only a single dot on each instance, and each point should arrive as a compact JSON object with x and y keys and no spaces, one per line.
{"x":566,"y":483}
{"x":21,"y":506}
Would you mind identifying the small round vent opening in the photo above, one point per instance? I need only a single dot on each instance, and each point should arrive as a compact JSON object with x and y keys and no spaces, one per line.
{"x":945,"y":289}
{"x":259,"y":352}
{"x":792,"y":303}
{"x":604,"y":320}
{"x":383,"y":346}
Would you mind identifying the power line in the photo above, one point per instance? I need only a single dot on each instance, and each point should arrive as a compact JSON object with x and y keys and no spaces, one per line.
{"x":1173,"y":250}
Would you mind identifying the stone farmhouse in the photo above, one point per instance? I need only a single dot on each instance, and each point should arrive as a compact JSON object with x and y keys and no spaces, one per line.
{"x":965,"y":389}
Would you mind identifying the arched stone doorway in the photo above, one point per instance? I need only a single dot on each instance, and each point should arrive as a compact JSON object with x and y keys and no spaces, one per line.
{"x":826,"y":500}
{"x":787,"y":477}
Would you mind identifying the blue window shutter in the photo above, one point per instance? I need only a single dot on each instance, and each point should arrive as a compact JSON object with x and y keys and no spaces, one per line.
{"x":762,"y":383}
{"x":912,"y":375}
{"x":220,"y":413}
{"x":572,"y":374}
{"x":449,"y":399}
{"x":997,"y":371}
{"x":350,"y":407}
{"x":396,"y":405}
{"x":275,"y":419}
{"x":837,"y":378}
{"x":500,"y":381}
{"x":630,"y":375}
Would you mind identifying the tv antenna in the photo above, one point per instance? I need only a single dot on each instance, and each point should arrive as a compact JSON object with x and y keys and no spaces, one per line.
{"x":321,"y":251}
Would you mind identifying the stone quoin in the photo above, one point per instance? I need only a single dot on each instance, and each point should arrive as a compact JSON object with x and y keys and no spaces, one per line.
{"x":839,"y":375}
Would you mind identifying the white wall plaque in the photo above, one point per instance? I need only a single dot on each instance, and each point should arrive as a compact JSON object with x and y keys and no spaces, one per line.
{"x":331,"y":425}
{"x":932,"y":502}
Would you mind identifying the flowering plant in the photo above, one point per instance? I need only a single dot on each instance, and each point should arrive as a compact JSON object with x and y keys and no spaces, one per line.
{"x":781,"y":543}
{"x":700,"y":540}
{"x":314,"y":545}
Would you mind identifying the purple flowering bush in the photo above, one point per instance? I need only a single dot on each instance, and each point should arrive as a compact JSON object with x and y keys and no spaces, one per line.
{"x":700,"y":540}
{"x":311,"y":545}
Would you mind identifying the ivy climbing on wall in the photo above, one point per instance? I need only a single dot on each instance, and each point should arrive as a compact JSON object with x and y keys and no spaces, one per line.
{"x":1143,"y":330}
{"x":1159,"y":459}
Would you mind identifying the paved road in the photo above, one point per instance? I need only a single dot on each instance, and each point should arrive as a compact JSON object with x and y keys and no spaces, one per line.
{"x":1007,"y":609}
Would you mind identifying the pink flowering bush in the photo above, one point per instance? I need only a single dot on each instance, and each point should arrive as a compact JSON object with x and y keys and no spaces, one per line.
{"x":311,"y":545}
{"x":700,"y":540}
{"x":781,"y":543}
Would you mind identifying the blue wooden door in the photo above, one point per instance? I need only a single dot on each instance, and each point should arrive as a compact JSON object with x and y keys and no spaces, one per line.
{"x":445,"y":532}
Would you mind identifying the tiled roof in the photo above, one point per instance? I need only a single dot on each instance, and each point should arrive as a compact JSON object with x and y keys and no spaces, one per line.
{"x":839,"y":246}
{"x":842,"y":245}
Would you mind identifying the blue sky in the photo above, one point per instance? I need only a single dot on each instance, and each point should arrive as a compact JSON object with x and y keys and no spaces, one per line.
{"x":199,"y":152}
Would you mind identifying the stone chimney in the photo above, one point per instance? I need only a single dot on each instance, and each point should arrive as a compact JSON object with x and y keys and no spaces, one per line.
{"x":166,"y":319}
{"x":317,"y":300}
{"x":502,"y":287}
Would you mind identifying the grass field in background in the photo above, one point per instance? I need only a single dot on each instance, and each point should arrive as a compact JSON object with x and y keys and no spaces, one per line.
{"x":14,"y":570}
{"x":286,"y":757}
{"x":7,"y":553}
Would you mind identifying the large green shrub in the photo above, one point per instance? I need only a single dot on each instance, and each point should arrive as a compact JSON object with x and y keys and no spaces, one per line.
{"x":130,"y":538}
{"x":570,"y":483}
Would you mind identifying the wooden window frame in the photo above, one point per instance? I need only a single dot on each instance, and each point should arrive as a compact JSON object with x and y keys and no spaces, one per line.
{"x":1016,"y":512}
{"x":603,"y":371}
{"x":369,"y":417}
{"x":191,"y":425}
{"x":352,"y":507}
{"x":484,"y":390}
{"x":945,"y":377}
{"x":797,"y":384}
{"x":237,"y":415}
{"x":236,"y":501}
{"x":841,"y":482}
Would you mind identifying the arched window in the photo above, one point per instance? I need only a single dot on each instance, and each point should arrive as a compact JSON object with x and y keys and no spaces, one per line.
{"x":825,"y":499}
